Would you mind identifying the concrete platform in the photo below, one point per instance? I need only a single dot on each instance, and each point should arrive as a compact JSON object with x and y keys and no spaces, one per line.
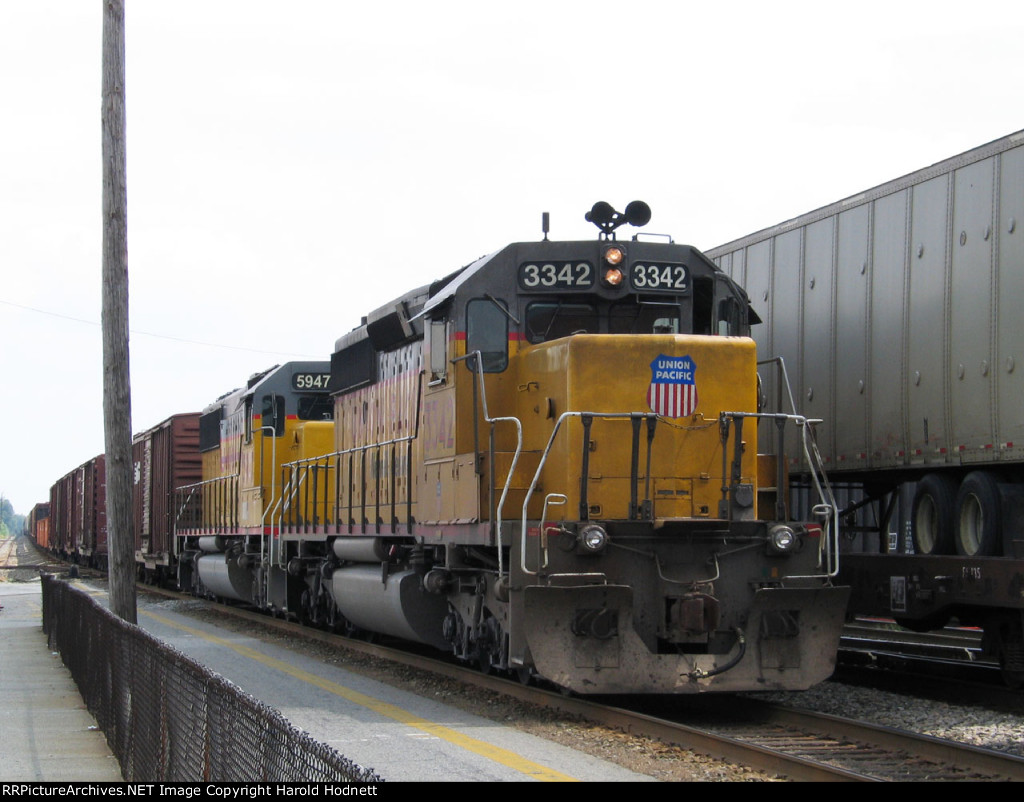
{"x":401,"y":736}
{"x":48,"y":735}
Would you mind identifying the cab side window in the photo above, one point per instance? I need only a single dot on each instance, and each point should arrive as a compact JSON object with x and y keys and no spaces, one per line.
{"x":273,"y":413}
{"x":487,"y":332}
{"x":730,"y":318}
{"x":438,"y":351}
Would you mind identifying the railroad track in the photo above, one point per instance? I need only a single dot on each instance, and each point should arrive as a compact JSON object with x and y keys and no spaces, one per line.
{"x":865,"y":751}
{"x":798,"y":745}
{"x":19,"y":554}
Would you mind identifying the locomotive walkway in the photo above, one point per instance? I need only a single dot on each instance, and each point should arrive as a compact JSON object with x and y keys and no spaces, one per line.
{"x":48,"y":735}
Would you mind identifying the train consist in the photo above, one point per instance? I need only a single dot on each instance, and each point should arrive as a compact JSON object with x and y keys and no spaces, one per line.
{"x":897,"y":314}
{"x":543,"y":463}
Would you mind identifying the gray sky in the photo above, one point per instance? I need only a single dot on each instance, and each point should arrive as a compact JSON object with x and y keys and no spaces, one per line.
{"x":292,"y":166}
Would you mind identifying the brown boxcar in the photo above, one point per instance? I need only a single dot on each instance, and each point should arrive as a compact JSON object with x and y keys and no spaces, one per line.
{"x":78,"y":514}
{"x":165,"y":457}
{"x":92,"y":545}
{"x":60,"y":515}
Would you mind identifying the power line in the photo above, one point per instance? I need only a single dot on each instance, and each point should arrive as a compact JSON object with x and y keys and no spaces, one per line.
{"x":160,"y":336}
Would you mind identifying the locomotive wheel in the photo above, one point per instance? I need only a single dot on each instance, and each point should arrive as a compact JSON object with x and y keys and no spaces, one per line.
{"x":488,"y":645}
{"x":979,"y":531}
{"x":932,"y":514}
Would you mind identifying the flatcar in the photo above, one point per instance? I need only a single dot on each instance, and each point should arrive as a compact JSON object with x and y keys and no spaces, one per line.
{"x":544,"y":463}
{"x":897,"y":312}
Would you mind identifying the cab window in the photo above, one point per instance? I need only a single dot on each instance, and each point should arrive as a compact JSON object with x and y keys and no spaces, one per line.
{"x":645,"y":318}
{"x":487,"y":332}
{"x":730,"y":318}
{"x":273,"y":413}
{"x":704,"y":305}
{"x":315,"y":407}
{"x":549,"y":321}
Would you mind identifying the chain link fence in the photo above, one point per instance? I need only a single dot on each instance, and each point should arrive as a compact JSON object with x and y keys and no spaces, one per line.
{"x":169,"y":719}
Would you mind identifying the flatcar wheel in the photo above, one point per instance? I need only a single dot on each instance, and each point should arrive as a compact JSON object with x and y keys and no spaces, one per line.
{"x":979,"y":530}
{"x":932,"y":514}
{"x":525,"y":675}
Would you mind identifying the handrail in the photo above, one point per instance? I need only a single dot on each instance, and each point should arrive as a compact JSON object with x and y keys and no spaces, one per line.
{"x":828,"y":509}
{"x":496,"y":521}
{"x":273,"y":462}
{"x":543,"y":460}
{"x":231,"y":480}
{"x":324,"y":460}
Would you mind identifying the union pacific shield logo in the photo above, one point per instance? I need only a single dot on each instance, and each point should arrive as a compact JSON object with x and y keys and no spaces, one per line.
{"x":673,"y":390}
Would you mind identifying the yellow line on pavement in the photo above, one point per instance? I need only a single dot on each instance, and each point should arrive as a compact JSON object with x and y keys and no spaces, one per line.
{"x":495,"y":753}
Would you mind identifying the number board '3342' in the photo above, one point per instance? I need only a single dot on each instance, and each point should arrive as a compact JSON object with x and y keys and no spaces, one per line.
{"x":561,"y":275}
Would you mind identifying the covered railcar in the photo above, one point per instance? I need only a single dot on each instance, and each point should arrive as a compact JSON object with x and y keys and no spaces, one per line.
{"x":545,"y":463}
{"x":897,"y":312}
{"x":165,"y":457}
{"x":37,"y":525}
{"x":78,"y":514}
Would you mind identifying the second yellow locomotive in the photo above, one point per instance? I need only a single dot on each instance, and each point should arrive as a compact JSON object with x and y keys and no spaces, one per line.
{"x":545,"y":463}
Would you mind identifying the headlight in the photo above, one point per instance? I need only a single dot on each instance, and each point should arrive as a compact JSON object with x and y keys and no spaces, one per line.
{"x":782,"y":539}
{"x":614,"y":255}
{"x":593,"y":539}
{"x":612,"y":277}
{"x":611,"y":274}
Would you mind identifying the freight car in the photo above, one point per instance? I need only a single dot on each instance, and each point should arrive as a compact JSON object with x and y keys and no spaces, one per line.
{"x":897,"y":312}
{"x":37,"y":525}
{"x":164,"y":458}
{"x":78,"y":515}
{"x":543,"y":463}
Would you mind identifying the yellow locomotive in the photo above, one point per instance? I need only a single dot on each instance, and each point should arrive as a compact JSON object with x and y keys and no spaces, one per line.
{"x":547,"y":463}
{"x":224,"y":522}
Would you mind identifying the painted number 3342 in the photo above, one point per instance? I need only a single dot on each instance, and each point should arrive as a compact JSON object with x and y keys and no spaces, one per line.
{"x":658,"y":277}
{"x":564,"y":274}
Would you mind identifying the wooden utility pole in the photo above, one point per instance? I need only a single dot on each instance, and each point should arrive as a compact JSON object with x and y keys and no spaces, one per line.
{"x":117,"y":399}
